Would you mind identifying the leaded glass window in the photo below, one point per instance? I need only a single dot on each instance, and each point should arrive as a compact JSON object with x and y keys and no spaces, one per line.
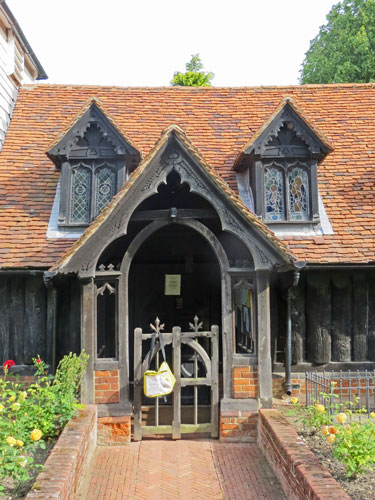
{"x":80,"y":195}
{"x":298,"y":183}
{"x":274,"y":194}
{"x":105,"y":188}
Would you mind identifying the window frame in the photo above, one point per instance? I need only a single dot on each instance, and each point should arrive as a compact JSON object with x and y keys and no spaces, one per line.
{"x":285,"y":166}
{"x":94,"y":166}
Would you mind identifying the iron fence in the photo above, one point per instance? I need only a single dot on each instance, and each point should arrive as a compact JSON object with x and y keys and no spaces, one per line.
{"x":354,"y":390}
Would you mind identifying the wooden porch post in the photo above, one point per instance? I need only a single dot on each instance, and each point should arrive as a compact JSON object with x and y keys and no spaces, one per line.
{"x":264,"y":339}
{"x":88,"y":329}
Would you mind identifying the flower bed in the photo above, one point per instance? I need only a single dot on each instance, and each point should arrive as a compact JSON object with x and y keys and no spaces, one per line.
{"x":31,"y":417}
{"x":344,"y":441}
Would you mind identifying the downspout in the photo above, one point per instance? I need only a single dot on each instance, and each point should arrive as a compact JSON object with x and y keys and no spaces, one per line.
{"x":288,"y":352}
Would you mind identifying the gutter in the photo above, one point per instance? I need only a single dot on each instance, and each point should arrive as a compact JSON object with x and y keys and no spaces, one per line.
{"x":42,"y":75}
{"x":288,"y":352}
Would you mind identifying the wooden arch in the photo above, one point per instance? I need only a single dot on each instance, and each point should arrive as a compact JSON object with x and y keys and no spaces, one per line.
{"x":226,"y":296}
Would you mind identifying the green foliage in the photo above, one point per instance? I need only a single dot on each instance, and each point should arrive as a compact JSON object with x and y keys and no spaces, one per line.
{"x":355,"y":447}
{"x":312,"y":417}
{"x":28,"y":417}
{"x":194,"y":75}
{"x":354,"y":443}
{"x":344,"y":49}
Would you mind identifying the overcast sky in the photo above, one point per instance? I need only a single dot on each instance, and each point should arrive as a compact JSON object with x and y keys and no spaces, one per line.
{"x":143,"y":42}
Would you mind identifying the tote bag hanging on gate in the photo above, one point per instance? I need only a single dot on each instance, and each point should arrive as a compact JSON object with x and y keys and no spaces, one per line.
{"x":158,"y":383}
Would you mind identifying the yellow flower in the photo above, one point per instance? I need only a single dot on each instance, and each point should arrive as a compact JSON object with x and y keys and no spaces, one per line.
{"x":293,"y":401}
{"x":331,"y":438}
{"x":341,"y":418}
{"x":16,"y":406}
{"x":12,"y":398}
{"x":372,"y":414}
{"x":320,"y":408}
{"x":325,"y":430}
{"x":1,"y":408}
{"x":11,"y":441}
{"x":20,"y":443}
{"x":36,"y":434}
{"x":23,"y":395}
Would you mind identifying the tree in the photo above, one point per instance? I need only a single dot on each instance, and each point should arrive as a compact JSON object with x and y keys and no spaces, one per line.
{"x":194,"y":76}
{"x":344,"y":49}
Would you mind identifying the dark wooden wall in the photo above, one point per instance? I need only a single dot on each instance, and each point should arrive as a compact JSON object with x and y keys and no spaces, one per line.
{"x":23,"y":308}
{"x":333,"y":317}
{"x":23,"y":318}
{"x":68,"y":317}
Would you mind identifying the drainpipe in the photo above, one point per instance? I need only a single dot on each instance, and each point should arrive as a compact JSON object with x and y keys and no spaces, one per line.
{"x":288,"y":352}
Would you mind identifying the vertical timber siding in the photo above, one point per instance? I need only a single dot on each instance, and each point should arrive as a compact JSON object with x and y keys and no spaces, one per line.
{"x":23,"y":318}
{"x":333,"y":317}
{"x":23,"y":306}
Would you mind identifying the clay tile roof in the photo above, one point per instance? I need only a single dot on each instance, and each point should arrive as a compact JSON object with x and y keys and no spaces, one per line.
{"x":219,"y":122}
{"x":231,"y":196}
{"x":299,"y":111}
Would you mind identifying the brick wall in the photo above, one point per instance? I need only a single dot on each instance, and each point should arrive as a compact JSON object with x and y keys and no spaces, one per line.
{"x":64,"y":468}
{"x":300,"y":473}
{"x":238,"y":426}
{"x":245,"y":382}
{"x":299,"y":386}
{"x":25,"y":380}
{"x":106,"y":386}
{"x":114,"y":430}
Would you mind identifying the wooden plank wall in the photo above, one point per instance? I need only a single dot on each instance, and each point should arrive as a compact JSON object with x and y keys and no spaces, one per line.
{"x":333,"y":317}
{"x":23,"y":318}
{"x":23,"y":308}
{"x":68,"y":317}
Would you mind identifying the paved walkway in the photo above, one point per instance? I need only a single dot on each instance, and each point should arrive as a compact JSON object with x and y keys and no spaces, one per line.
{"x":172,"y":470}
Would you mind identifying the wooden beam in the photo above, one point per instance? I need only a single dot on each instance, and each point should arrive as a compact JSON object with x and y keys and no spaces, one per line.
{"x":88,"y":332}
{"x":181,"y":213}
{"x":264,"y":339}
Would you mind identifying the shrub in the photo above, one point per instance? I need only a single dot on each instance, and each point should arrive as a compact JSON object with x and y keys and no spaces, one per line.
{"x":29,"y":417}
{"x":355,"y":447}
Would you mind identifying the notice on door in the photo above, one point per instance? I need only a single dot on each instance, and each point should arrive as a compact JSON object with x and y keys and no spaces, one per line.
{"x":172,"y":284}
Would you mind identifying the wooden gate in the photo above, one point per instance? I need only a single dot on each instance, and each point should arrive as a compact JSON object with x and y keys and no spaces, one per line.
{"x":207,"y":358}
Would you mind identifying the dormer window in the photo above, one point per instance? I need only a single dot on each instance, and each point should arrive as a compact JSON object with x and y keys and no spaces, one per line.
{"x":286,"y":192}
{"x":282,"y":167}
{"x":95,"y":160}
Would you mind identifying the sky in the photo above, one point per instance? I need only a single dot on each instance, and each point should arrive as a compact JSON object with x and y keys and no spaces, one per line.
{"x":143,"y":42}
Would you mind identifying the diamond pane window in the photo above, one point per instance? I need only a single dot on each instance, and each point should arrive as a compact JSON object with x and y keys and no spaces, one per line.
{"x":274,"y":194}
{"x":105,"y":188}
{"x":81,"y":195}
{"x":298,"y":194}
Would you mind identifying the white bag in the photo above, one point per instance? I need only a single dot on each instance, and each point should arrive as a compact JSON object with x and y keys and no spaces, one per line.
{"x":158,"y":383}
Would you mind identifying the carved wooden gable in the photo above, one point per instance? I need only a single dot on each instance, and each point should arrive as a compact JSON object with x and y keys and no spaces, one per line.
{"x":95,"y":161}
{"x":175,"y":154}
{"x":282,"y":162}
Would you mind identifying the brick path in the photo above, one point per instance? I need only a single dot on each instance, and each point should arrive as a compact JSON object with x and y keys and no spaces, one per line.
{"x":172,"y":470}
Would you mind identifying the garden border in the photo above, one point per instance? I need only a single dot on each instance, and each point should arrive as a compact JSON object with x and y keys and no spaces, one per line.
{"x":299,"y":471}
{"x":64,"y":468}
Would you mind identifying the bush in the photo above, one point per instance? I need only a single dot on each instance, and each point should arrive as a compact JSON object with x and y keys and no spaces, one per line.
{"x":29,"y":417}
{"x":353,"y":443}
{"x":355,"y":447}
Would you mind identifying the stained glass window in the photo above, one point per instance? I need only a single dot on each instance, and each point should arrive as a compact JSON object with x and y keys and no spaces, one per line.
{"x":105,"y":188}
{"x":298,"y":194}
{"x":274,"y":194}
{"x":81,"y":195}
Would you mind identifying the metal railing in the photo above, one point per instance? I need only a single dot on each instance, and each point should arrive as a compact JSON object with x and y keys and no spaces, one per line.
{"x":352,"y":390}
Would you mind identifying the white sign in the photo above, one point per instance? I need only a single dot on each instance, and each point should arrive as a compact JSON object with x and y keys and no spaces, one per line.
{"x":172,"y":284}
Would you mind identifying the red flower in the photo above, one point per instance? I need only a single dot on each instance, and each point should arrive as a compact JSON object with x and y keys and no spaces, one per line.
{"x":8,"y":363}
{"x":38,"y":360}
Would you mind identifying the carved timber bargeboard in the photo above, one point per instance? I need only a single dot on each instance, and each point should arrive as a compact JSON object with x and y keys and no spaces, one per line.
{"x":173,"y":157}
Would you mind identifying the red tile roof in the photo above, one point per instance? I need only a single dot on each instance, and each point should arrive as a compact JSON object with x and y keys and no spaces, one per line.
{"x":219,"y":122}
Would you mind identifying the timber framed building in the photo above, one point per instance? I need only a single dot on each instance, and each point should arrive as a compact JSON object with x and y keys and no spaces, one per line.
{"x":249,"y":208}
